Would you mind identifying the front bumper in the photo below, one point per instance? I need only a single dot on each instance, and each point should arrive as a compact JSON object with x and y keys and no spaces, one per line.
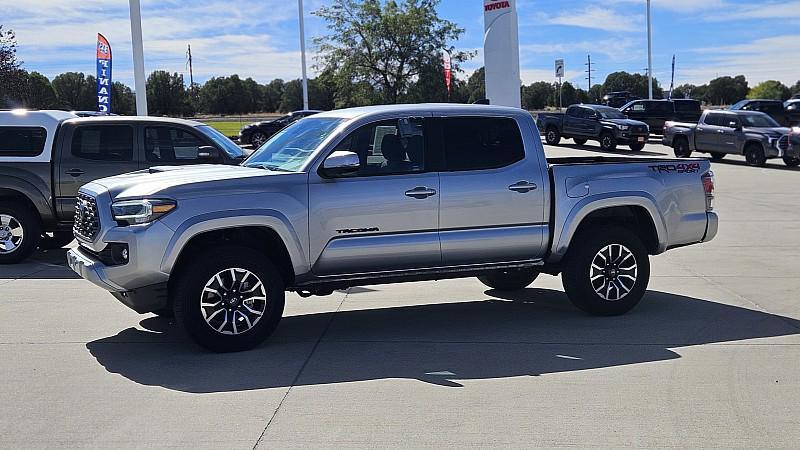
{"x":627,"y":137}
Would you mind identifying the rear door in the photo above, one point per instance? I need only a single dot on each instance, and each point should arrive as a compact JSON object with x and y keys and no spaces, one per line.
{"x":708,"y":134}
{"x":573,"y":124}
{"x":492,"y":195}
{"x":89,"y":152}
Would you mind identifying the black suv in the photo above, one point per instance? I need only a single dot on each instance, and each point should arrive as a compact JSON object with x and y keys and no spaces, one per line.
{"x":656,"y":112}
{"x":257,"y":133}
{"x":617,"y":99}
{"x":773,"y":108}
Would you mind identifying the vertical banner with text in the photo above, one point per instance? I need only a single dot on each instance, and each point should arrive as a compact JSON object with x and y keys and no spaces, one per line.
{"x":448,"y":71}
{"x":103,"y":75}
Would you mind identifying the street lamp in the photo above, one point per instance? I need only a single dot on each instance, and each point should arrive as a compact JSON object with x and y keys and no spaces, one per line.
{"x":649,"y":54}
{"x":303,"y":53}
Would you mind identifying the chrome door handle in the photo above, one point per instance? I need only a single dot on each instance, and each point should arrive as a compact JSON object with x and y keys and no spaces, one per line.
{"x":75,"y":172}
{"x":523,"y":186}
{"x":421,"y":192}
{"x":720,"y":131}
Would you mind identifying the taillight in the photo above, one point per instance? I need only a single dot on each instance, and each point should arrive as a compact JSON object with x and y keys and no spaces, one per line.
{"x":708,"y":187}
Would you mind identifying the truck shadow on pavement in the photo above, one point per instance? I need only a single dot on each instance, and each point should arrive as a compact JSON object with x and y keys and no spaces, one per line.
{"x":532,"y":333}
{"x":43,"y":264}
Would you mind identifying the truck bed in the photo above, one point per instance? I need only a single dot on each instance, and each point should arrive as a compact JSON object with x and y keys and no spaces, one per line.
{"x":593,"y":160}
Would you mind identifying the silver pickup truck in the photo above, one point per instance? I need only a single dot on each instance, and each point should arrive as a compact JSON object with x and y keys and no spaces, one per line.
{"x":753,"y":134}
{"x":380,"y":195}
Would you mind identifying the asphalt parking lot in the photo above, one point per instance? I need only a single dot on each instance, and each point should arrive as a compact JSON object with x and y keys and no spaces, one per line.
{"x":710,"y":358}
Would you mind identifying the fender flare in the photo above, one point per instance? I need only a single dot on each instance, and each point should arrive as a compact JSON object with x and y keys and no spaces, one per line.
{"x":13,"y":185}
{"x":589,"y":205}
{"x":266,"y":218}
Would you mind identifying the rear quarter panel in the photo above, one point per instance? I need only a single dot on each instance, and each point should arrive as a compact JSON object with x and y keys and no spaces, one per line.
{"x":671,"y":191}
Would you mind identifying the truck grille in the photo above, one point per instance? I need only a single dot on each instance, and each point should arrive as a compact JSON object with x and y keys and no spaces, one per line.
{"x":87,"y":224}
{"x":639,"y":129}
{"x":783,"y":142}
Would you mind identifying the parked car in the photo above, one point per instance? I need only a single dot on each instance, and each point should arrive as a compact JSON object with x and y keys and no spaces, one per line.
{"x":255,"y":134}
{"x":45,"y":156}
{"x":775,"y":109}
{"x":753,"y":134}
{"x":656,"y":112}
{"x":617,"y":99}
{"x":604,"y":124}
{"x":385,"y":194}
{"x":792,"y":107}
{"x":91,"y":113}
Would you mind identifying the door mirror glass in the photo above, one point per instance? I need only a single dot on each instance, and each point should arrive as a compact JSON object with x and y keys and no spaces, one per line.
{"x":208,"y":152}
{"x":341,"y":163}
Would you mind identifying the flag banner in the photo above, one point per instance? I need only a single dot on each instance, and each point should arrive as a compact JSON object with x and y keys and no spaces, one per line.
{"x":103,"y":75}
{"x":448,"y":72}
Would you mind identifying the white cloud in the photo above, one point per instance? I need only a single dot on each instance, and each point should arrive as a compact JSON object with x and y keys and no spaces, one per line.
{"x":598,"y":18}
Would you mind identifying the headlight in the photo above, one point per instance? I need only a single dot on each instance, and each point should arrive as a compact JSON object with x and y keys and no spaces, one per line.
{"x":622,"y":127}
{"x":131,"y":212}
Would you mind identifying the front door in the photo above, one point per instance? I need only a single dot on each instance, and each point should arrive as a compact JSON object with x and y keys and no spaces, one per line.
{"x":92,"y":152}
{"x":386,"y":216}
{"x":492,"y":194}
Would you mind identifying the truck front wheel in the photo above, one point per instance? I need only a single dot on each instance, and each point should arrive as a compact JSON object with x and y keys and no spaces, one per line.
{"x":607,"y":272}
{"x":229,"y":299}
{"x":791,"y":161}
{"x":608,"y":142}
{"x":20,"y":231}
{"x":681,"y":147}
{"x":509,"y":280}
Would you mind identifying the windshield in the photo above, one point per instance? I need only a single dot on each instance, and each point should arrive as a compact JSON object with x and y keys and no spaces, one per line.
{"x":291,"y":147}
{"x":759,"y":121}
{"x":739,"y":105}
{"x":610,"y":113}
{"x":222,"y":141}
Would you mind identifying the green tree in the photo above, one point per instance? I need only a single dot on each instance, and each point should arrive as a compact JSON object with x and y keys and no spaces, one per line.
{"x":595,"y":94}
{"x":770,"y":89}
{"x":726,"y":90}
{"x":39,"y":93}
{"x":166,"y":94}
{"x":568,"y":94}
{"x":538,"y":95}
{"x":123,"y":101}
{"x":10,"y":74}
{"x":476,"y":86}
{"x":429,"y":86}
{"x":271,"y":95}
{"x":634,"y":83}
{"x":386,"y":44}
{"x":292,"y":99}
{"x":796,"y":88}
{"x":70,"y":89}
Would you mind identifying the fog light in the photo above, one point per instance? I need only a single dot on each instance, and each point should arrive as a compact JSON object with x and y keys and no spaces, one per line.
{"x":114,"y":254}
{"x":125,"y":254}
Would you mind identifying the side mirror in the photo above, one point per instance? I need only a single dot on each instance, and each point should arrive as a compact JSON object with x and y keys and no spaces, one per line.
{"x":208,"y":152}
{"x":340,"y":163}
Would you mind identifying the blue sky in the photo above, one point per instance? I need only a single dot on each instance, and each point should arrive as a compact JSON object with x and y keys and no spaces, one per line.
{"x":260,"y":39}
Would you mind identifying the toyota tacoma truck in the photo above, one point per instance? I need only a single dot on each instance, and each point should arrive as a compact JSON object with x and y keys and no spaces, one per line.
{"x":753,"y":134}
{"x":604,"y":124}
{"x":45,"y":156}
{"x":377,"y":195}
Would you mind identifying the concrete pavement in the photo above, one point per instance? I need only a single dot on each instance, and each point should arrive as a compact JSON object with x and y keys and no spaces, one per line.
{"x":709,"y":358}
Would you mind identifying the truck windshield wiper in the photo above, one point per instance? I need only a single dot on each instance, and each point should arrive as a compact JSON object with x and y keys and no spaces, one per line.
{"x":271,"y":167}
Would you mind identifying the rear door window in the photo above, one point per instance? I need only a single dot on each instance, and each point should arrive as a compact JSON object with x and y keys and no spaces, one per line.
{"x":661,"y":107}
{"x":22,"y":141}
{"x":479,"y":143}
{"x":103,"y":143}
{"x":714,"y":119}
{"x":574,"y":111}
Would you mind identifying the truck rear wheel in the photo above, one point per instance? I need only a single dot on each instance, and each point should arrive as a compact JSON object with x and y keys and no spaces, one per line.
{"x":791,"y":162}
{"x":509,"y":280}
{"x":681,"y":147}
{"x":20,"y":232}
{"x":607,"y":273}
{"x":552,"y":136}
{"x":229,"y":299}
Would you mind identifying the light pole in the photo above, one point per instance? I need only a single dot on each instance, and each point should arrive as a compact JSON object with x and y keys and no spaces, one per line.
{"x":303,"y":53}
{"x":138,"y":58}
{"x":649,"y":54}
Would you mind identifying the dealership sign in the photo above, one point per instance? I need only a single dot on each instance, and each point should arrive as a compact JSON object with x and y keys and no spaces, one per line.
{"x":501,"y":52}
{"x":103,"y":74}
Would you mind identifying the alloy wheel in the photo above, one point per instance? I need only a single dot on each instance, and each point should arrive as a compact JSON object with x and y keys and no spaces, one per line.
{"x":233,"y":301}
{"x":613,"y":272}
{"x":11,"y":234}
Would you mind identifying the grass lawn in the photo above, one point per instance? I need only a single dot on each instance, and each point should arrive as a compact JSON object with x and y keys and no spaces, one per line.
{"x":226,"y":127}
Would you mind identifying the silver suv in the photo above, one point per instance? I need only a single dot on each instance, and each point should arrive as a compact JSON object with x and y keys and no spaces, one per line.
{"x":379,"y":195}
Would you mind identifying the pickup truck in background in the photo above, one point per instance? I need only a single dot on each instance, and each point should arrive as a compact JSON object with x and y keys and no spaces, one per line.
{"x":599,"y":123}
{"x":720,"y":132}
{"x":384,"y":194}
{"x":774,"y":108}
{"x":655,"y":113}
{"x":45,"y":156}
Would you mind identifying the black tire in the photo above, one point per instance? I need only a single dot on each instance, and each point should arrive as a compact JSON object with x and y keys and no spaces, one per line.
{"x":791,"y":162}
{"x":580,"y":267}
{"x":509,"y":280}
{"x":608,"y":142}
{"x":257,"y":139}
{"x":552,"y":136}
{"x":754,"y":155}
{"x":580,"y":141}
{"x":189,"y":290}
{"x":717,"y":156}
{"x":637,"y":146}
{"x":58,"y":240}
{"x":681,"y":147}
{"x":20,"y":232}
